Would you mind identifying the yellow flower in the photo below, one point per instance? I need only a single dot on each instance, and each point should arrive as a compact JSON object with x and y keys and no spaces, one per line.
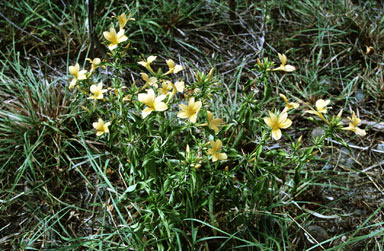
{"x":95,"y":64}
{"x":179,"y":86}
{"x":321,"y":107}
{"x":214,"y":151}
{"x":97,"y":91}
{"x":355,"y":121}
{"x":149,"y":81}
{"x":77,"y":74}
{"x":172,"y":67}
{"x":166,"y":87}
{"x":101,"y":127}
{"x":190,"y":111}
{"x":154,"y":103}
{"x":114,"y":38}
{"x":147,"y":64}
{"x":284,"y":66}
{"x":277,"y":121}
{"x":123,"y":19}
{"x":288,"y":106}
{"x":214,"y":123}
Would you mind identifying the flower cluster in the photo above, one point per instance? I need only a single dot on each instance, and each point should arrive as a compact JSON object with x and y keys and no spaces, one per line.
{"x":119,"y":37}
{"x":169,"y":89}
{"x":163,"y":94}
{"x":83,"y":76}
{"x":279,"y":120}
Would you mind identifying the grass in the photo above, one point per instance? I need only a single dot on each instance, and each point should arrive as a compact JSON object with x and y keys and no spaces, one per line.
{"x":149,"y":183}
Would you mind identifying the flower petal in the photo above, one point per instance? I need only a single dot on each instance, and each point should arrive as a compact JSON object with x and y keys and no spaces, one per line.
{"x":74,"y":70}
{"x":183,"y":107}
{"x":111,"y":47}
{"x":269,"y":122}
{"x":282,"y":117}
{"x":178,"y":68}
{"x":197,"y":106}
{"x":160,"y":98}
{"x":150,"y":59}
{"x":111,"y":35}
{"x":161,"y":106}
{"x":182,"y":114}
{"x":289,"y":68}
{"x":218,"y":145}
{"x":284,"y":98}
{"x":146,"y":112}
{"x":283,"y":58}
{"x":222,"y":156}
{"x":179,"y":86}
{"x":193,"y":118}
{"x":144,"y":76}
{"x":170,"y":63}
{"x":276,"y":134}
{"x":72,"y":84}
{"x":360,"y":132}
{"x":287,"y":123}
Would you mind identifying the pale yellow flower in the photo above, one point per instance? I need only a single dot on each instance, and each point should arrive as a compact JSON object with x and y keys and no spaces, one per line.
{"x":77,"y":74}
{"x":149,"y":81}
{"x":154,"y":103}
{"x":284,"y":66}
{"x":355,"y":121}
{"x":172,"y":67}
{"x":214,"y":151}
{"x":101,"y":127}
{"x":190,"y":111}
{"x":114,"y":38}
{"x":277,"y":122}
{"x":95,"y":63}
{"x":214,"y":123}
{"x":147,"y":64}
{"x":321,"y":107}
{"x":166,"y":87}
{"x":180,"y":86}
{"x":123,"y":19}
{"x":97,"y":91}
{"x":288,"y":106}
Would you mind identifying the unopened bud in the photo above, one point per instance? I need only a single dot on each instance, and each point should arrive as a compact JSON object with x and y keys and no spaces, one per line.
{"x":339,"y":114}
{"x":210,"y":73}
{"x":187,"y":151}
{"x":198,"y":77}
{"x":299,"y":140}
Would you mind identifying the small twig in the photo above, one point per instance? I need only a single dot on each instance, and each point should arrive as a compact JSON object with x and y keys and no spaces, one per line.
{"x":373,"y":166}
{"x":355,"y":147}
{"x":17,"y":27}
{"x":313,"y":238}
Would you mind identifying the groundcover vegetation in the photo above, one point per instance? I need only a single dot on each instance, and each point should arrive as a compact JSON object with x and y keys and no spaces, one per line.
{"x":191,"y":125}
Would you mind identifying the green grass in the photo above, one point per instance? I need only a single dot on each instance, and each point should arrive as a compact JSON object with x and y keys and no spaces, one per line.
{"x":138,"y":188}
